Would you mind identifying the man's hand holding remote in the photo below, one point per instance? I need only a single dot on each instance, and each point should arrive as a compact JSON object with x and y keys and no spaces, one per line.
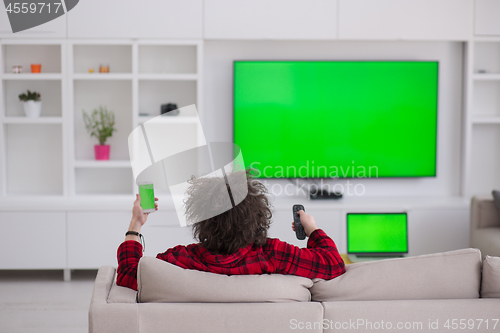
{"x":307,"y":222}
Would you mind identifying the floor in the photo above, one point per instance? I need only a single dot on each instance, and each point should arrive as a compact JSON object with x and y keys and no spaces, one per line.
{"x":40,"y":301}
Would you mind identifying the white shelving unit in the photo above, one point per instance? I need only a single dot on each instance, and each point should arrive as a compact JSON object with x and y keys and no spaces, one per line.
{"x":33,"y":149}
{"x":58,"y":157}
{"x":143,"y":75}
{"x":48,"y":174}
{"x":481,"y":159}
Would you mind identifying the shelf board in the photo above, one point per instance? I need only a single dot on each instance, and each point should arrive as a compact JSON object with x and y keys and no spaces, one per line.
{"x":26,"y":120}
{"x":162,"y":42}
{"x":102,"y":164}
{"x":171,"y":119}
{"x":102,"y":76}
{"x":486,"y":76}
{"x":169,"y":77}
{"x":486,"y":120}
{"x":492,"y":39}
{"x":31,"y":76}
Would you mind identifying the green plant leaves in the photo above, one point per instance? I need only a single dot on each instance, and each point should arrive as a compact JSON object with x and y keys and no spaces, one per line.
{"x":100,"y":123}
{"x":30,"y":96}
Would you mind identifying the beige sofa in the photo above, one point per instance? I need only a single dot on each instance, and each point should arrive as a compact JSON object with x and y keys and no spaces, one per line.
{"x":417,"y":294}
{"x":485,"y":226}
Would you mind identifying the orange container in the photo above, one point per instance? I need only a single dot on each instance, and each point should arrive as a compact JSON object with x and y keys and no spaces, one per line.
{"x":36,"y":68}
{"x":103,"y":68}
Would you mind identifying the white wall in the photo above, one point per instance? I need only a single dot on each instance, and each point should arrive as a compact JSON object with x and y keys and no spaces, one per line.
{"x":218,"y":81}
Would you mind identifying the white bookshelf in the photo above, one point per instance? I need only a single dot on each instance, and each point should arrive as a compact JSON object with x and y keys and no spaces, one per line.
{"x":481,"y":138}
{"x":33,"y":149}
{"x":143,"y":76}
{"x":53,"y":156}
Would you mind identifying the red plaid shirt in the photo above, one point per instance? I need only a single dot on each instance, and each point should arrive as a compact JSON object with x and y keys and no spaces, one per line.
{"x":320,"y":259}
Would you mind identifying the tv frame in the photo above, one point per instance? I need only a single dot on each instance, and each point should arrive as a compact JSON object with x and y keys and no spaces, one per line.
{"x":377,"y":254}
{"x":368,"y":60}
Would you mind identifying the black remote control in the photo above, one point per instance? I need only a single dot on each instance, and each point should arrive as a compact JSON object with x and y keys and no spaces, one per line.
{"x":299,"y":229}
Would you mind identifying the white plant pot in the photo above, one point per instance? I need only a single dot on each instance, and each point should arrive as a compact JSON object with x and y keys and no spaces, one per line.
{"x":32,"y":109}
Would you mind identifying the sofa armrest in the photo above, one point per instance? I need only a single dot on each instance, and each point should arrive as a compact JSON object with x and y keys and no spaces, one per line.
{"x":110,"y":317}
{"x":484,"y":213}
{"x":102,"y":285}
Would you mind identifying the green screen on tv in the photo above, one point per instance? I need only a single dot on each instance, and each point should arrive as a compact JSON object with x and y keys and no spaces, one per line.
{"x":329,"y":119}
{"x":377,"y":233}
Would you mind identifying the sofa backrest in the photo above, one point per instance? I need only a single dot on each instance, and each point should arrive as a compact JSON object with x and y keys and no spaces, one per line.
{"x":484,"y":213}
{"x":490,"y":280}
{"x":161,"y":282}
{"x":448,"y":275}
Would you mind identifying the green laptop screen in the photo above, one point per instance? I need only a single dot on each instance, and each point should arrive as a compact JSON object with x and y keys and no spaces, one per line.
{"x":337,"y":119}
{"x":377,"y":233}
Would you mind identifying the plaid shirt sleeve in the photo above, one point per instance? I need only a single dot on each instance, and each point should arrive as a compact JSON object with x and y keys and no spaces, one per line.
{"x":129,"y":254}
{"x":320,"y":259}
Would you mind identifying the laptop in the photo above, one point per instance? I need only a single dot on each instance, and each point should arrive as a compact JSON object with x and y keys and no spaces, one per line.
{"x":372,"y":236}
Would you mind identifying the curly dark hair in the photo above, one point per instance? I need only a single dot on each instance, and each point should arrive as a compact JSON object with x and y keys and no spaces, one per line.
{"x":246,"y":223}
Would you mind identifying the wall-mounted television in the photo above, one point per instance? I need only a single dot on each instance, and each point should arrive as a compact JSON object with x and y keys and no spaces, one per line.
{"x":329,"y":119}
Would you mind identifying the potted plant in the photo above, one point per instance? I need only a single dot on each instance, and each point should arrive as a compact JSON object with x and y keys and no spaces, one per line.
{"x":31,"y":103}
{"x":101,"y":124}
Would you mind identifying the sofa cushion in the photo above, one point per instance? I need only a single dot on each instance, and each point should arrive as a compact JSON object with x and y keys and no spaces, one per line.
{"x":231,"y":318}
{"x":119,"y":294}
{"x":160,"y":282}
{"x":416,"y":316}
{"x":448,"y":275}
{"x":490,"y":284}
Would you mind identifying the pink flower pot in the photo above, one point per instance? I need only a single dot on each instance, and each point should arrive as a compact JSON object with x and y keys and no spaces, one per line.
{"x":101,"y":152}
